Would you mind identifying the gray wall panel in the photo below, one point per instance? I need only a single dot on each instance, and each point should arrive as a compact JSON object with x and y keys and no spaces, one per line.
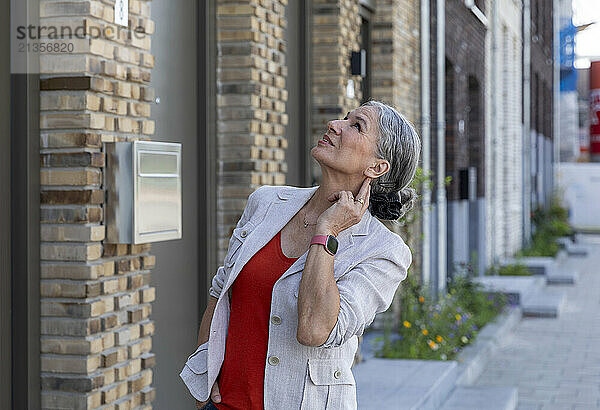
{"x":179,"y":275}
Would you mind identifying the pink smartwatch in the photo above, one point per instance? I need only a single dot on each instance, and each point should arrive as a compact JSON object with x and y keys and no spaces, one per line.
{"x":328,"y":241}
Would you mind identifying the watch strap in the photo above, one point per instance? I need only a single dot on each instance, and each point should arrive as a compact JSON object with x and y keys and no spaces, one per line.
{"x":321,"y":240}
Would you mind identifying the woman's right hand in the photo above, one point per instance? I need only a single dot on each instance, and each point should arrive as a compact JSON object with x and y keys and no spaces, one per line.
{"x":215,"y":396}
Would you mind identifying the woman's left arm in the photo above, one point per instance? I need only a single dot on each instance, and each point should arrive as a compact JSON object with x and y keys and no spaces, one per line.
{"x":330,"y":312}
{"x":318,"y":297}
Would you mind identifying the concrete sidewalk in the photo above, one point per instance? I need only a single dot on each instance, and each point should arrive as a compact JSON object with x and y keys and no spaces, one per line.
{"x":555,"y":363}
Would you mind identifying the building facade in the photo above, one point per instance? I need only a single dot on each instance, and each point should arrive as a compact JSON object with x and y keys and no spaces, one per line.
{"x":505,"y":131}
{"x":542,"y":102}
{"x":247,"y":87}
{"x":464,"y":122}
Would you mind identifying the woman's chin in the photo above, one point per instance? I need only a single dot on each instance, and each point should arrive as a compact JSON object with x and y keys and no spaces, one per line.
{"x":315,"y":151}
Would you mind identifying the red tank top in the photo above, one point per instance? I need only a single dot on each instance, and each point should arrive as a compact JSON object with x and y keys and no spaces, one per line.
{"x":242,"y":375}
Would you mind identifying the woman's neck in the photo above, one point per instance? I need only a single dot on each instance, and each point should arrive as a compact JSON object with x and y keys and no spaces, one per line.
{"x":318,"y":203}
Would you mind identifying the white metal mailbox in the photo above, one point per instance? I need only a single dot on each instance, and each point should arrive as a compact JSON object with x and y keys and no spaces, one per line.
{"x":143,"y":188}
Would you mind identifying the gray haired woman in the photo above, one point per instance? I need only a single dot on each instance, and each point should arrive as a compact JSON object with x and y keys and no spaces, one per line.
{"x":307,"y":269}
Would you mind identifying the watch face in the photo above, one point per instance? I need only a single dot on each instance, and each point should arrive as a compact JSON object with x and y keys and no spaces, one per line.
{"x":332,"y":244}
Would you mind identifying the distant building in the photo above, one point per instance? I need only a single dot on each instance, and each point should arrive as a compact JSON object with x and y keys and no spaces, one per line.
{"x":542,"y":107}
{"x":465,"y":122}
{"x":583,"y":104}
{"x":569,"y":110}
{"x":504,"y":134}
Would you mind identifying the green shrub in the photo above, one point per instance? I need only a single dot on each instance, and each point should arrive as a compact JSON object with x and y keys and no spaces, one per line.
{"x":516,"y":269}
{"x":549,"y":224}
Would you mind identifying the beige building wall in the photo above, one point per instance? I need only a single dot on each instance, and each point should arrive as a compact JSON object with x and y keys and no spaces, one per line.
{"x":251,"y":105}
{"x":335,"y":34}
{"x":397,"y":56}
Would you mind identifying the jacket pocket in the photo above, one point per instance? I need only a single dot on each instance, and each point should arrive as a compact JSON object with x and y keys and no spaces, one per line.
{"x":238,"y":237}
{"x":195,"y":373}
{"x":328,"y":384}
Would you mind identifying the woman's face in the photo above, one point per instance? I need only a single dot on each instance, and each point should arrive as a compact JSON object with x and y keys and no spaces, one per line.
{"x":349,"y":145}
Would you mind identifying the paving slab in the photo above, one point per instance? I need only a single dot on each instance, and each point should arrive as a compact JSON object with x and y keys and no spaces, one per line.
{"x":543,"y":304}
{"x":572,"y":248}
{"x":562,"y":277}
{"x":515,"y":287}
{"x":482,"y":397}
{"x":403,"y":384}
{"x":555,"y":361}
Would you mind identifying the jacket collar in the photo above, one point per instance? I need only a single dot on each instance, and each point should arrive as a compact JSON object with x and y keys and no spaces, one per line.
{"x":302,"y":195}
{"x":288,"y":202}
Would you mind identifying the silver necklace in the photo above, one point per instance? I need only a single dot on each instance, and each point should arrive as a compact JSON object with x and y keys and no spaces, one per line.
{"x":306,"y":224}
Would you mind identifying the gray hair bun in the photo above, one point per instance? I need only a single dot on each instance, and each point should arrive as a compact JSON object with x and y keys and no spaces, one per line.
{"x":391,"y":206}
{"x":400,"y":145}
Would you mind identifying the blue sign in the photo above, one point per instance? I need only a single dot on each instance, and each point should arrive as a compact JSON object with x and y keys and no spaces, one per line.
{"x":568,"y":73}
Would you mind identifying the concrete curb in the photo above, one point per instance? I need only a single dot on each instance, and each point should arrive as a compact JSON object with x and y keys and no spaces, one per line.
{"x":473,"y":358}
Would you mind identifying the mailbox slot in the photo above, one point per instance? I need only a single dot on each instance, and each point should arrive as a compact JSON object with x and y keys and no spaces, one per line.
{"x":143,"y":188}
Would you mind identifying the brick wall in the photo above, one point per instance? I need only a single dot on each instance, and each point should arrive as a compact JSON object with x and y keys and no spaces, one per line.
{"x":251,"y":101}
{"x":504,"y":155}
{"x":507,"y":178}
{"x":396,"y":79}
{"x":335,"y":34}
{"x":396,"y":56}
{"x":96,"y":300}
{"x":465,"y":54}
{"x":541,"y":67}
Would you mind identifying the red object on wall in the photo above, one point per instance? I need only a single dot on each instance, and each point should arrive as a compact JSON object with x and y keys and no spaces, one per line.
{"x":595,"y":108}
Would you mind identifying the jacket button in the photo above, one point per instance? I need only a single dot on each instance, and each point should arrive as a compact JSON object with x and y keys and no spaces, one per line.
{"x":276,"y":320}
{"x":273,"y":360}
{"x":337,"y":374}
{"x":244,"y":234}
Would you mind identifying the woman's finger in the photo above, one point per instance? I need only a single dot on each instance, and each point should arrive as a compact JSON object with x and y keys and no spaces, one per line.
{"x":335,"y":196}
{"x":364,"y":188}
{"x":366,"y":203}
{"x":362,"y":197}
{"x":215,"y":395}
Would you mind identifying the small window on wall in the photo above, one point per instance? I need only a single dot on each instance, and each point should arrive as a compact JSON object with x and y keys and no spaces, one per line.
{"x":367,"y":8}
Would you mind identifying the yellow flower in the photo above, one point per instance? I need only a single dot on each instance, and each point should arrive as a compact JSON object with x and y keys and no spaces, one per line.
{"x":425,"y":332}
{"x":421,"y":299}
{"x":432,"y":344}
{"x":439,"y":338}
{"x":458,"y":317}
{"x":436,"y":314}
{"x":406,"y":323}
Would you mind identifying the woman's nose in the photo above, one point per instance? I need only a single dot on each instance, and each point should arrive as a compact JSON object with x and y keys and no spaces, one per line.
{"x":334,"y":125}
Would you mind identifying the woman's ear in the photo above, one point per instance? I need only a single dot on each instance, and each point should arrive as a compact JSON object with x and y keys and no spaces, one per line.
{"x":377,"y":169}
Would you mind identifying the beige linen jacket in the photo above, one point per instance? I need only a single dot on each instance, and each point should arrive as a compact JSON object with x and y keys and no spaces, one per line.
{"x":370,"y":263}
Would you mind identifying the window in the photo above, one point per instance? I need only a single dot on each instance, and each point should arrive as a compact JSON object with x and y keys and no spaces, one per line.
{"x":366,"y":13}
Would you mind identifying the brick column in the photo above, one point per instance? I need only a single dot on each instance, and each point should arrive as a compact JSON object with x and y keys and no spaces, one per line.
{"x":251,"y":101}
{"x":396,"y":59}
{"x":335,"y":34}
{"x":396,"y":79}
{"x":96,"y":298}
